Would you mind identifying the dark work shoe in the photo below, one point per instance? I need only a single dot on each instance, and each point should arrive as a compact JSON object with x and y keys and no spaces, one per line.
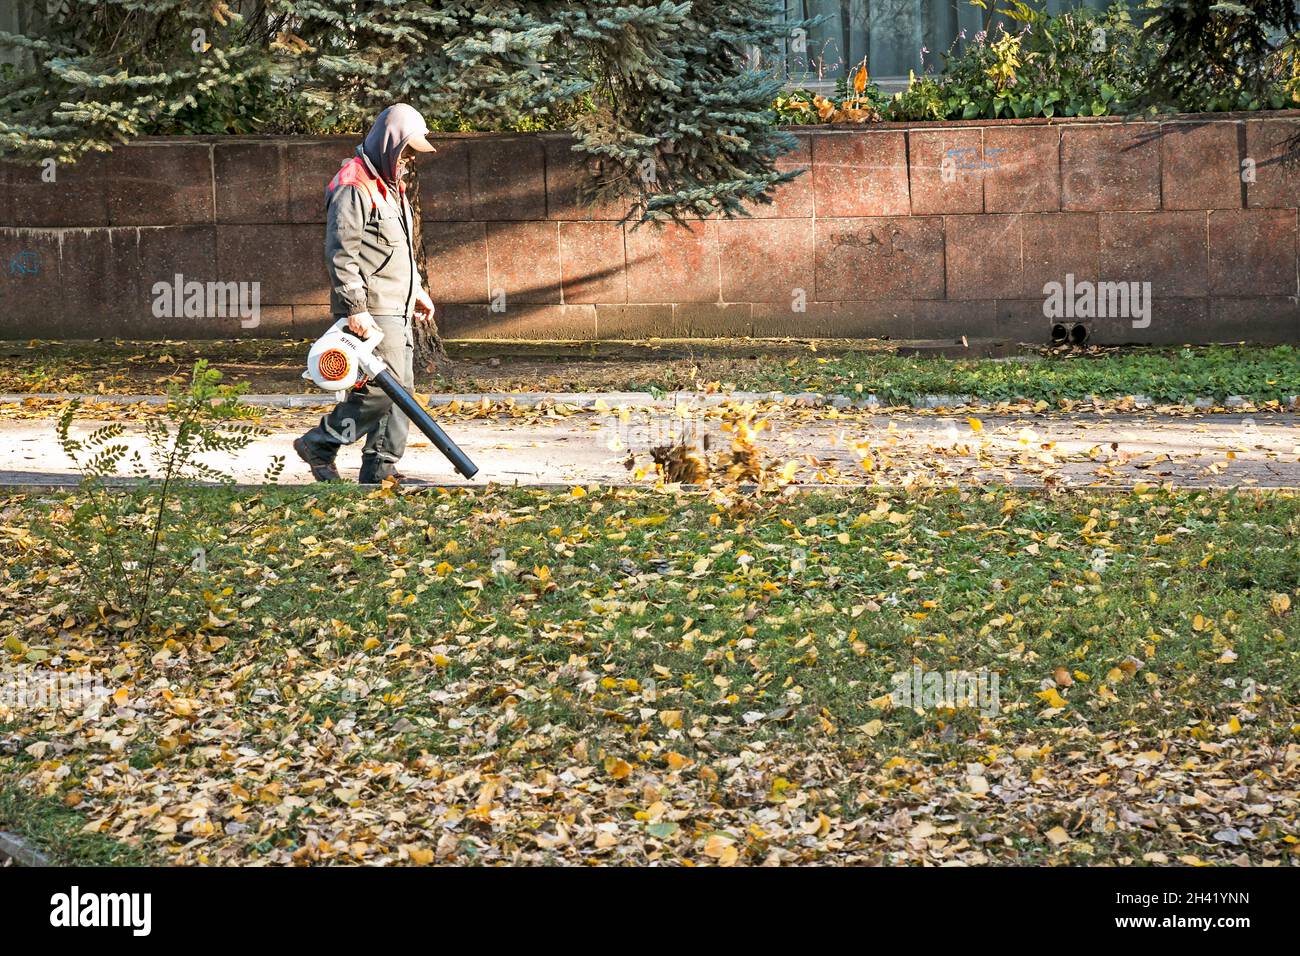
{"x":322,"y":468}
{"x":374,"y":472}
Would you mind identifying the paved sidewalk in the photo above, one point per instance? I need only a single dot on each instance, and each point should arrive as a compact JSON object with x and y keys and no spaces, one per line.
{"x":527,"y":446}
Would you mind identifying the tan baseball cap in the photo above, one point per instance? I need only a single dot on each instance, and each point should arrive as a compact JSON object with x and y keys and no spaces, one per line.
{"x":420,"y":144}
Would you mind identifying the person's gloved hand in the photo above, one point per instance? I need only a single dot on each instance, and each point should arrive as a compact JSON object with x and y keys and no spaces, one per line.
{"x":362,"y":324}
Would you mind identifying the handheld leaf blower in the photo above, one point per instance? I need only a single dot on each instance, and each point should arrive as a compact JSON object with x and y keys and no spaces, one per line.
{"x":340,"y":359}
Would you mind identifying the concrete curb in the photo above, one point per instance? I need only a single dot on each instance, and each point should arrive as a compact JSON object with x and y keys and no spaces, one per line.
{"x":14,"y":849}
{"x":522,"y":399}
{"x":321,"y":399}
{"x":351,"y":487}
{"x":588,"y":400}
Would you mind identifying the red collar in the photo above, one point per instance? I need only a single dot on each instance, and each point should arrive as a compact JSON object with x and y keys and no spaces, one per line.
{"x":357,"y":172}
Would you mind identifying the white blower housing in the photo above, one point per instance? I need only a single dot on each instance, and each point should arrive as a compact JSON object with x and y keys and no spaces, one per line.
{"x":340,"y":360}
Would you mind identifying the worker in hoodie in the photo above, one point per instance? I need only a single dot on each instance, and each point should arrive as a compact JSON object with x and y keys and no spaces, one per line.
{"x":370,"y":257}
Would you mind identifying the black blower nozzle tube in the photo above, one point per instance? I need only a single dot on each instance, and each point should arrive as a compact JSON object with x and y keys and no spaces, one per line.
{"x":422,"y":420}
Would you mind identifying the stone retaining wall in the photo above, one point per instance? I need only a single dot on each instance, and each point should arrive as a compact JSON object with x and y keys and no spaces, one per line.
{"x":924,"y":231}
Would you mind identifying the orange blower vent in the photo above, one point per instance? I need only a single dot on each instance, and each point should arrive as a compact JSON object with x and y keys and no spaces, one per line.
{"x":333,"y":365}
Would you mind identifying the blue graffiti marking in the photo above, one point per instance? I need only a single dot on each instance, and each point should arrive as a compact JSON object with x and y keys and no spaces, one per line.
{"x":966,"y":159}
{"x":25,"y":263}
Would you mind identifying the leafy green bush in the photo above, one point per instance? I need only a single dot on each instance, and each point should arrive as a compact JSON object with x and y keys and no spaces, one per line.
{"x":255,"y":103}
{"x":926,"y":98}
{"x":794,"y":107}
{"x":1084,"y":63}
{"x":1080,"y":63}
{"x":858,"y":100}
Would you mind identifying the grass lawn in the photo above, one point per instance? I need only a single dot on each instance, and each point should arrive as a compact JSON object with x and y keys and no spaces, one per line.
{"x":1162,"y":375}
{"x":635,"y":676}
{"x":1167,"y":375}
{"x":58,"y":830}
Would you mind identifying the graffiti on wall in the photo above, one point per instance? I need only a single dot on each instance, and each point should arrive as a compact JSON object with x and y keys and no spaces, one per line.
{"x":968,"y":160}
{"x":23,"y":264}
